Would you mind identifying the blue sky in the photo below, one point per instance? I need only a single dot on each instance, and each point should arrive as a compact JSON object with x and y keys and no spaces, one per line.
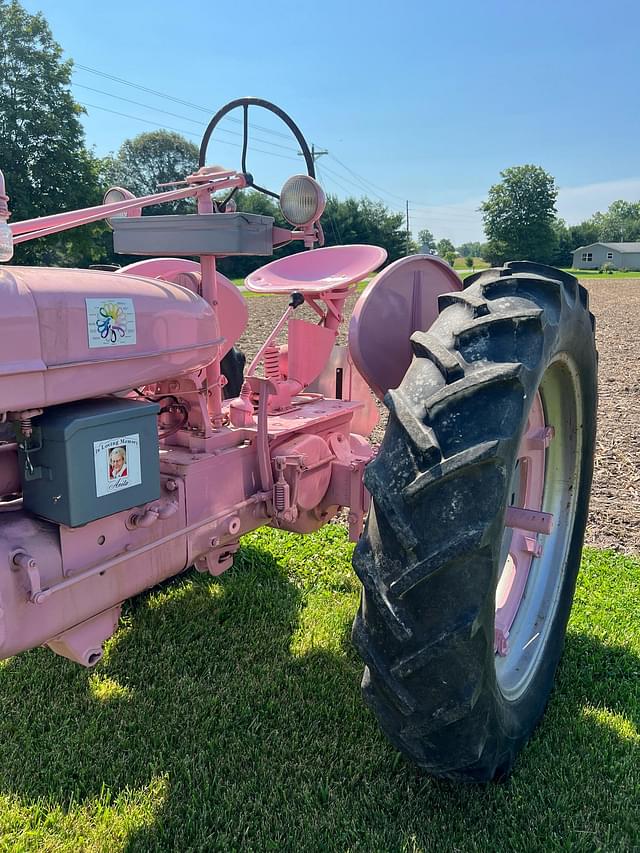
{"x":414,"y":100}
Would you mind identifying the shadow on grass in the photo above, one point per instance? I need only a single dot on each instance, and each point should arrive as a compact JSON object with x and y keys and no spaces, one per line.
{"x":263,"y":748}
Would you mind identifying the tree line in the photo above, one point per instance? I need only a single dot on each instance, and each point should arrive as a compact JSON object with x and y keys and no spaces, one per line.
{"x":48,"y":168}
{"x":521,"y":222}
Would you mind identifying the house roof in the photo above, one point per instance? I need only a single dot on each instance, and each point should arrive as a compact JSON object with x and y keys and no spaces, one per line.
{"x":620,"y":247}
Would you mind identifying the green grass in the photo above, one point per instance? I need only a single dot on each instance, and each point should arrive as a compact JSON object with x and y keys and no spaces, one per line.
{"x":226,"y":715}
{"x":463,"y":272}
{"x":478,"y":263}
{"x":579,"y":274}
{"x":602,"y":275}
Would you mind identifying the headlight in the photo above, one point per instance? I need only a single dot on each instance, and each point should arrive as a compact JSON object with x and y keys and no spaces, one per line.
{"x":302,"y":200}
{"x":118,"y":194}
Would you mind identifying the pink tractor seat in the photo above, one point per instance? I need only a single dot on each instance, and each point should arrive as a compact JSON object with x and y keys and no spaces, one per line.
{"x":317,"y":271}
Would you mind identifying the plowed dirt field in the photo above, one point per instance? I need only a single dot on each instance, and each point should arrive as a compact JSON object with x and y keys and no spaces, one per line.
{"x":614,"y":519}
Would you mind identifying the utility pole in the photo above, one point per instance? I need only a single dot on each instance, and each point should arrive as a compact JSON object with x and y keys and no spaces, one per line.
{"x":315,"y":152}
{"x":408,"y":232}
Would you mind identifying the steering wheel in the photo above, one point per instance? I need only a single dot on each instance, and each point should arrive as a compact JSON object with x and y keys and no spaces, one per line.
{"x":245,"y":103}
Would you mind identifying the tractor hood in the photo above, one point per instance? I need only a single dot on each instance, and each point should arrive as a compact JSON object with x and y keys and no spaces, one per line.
{"x":68,"y":334}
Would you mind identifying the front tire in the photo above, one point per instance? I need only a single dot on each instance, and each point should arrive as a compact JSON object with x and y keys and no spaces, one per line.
{"x":516,"y":342}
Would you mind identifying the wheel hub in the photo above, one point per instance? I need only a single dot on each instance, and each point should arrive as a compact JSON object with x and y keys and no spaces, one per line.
{"x":539,"y":522}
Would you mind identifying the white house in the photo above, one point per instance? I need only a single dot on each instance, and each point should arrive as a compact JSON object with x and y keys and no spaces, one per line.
{"x":622,"y":256}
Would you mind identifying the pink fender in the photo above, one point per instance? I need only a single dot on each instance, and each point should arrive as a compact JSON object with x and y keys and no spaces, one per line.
{"x":233,"y":313}
{"x":399,"y":301}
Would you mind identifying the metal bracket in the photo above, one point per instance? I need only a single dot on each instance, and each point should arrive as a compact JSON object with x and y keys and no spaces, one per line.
{"x":217,"y":560}
{"x":347,"y":489}
{"x":32,"y":443}
{"x":19,"y":559}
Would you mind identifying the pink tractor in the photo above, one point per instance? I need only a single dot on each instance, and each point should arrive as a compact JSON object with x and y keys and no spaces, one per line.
{"x":134,"y":446}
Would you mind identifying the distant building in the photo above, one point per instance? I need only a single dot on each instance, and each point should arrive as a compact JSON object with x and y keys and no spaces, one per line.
{"x":622,"y":256}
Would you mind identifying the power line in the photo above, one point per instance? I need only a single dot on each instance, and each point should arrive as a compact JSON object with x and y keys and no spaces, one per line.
{"x":417,"y":214}
{"x":429,"y":216}
{"x":315,"y":152}
{"x":461,"y":216}
{"x":363,"y":184}
{"x":338,"y":182}
{"x":178,"y":115}
{"x":344,"y":188}
{"x":358,"y":186}
{"x":334,"y":224}
{"x":177,"y":129}
{"x":140,"y":104}
{"x":364,"y":180}
{"x":193,"y":106}
{"x":414,"y":203}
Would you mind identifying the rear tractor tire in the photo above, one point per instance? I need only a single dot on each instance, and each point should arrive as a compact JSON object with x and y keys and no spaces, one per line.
{"x":472,"y":546}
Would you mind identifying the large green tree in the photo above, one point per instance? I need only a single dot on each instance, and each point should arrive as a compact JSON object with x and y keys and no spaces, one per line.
{"x":519,"y":216}
{"x":154,"y":158}
{"x":569,"y":238}
{"x":445,"y":247}
{"x":620,"y":223}
{"x":470,"y":250}
{"x":42,"y":149}
{"x":362,"y":220}
{"x":426,"y":241}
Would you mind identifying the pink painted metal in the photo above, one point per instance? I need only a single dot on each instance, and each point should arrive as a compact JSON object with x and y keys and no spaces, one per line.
{"x":83,"y":643}
{"x":526,"y":520}
{"x":45,"y":352}
{"x":399,"y":301}
{"x":281,"y":454}
{"x":30,"y":229}
{"x":530,"y":520}
{"x":309,"y":348}
{"x":6,"y":235}
{"x":340,"y":380}
{"x":298,"y":363}
{"x":317,"y":272}
{"x":232,"y":309}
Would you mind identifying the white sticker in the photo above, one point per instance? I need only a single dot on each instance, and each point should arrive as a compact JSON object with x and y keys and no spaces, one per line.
{"x":117,"y":464}
{"x":111,"y":322}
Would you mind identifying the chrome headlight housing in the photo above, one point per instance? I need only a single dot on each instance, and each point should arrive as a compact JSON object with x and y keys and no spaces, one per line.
{"x":302,"y":200}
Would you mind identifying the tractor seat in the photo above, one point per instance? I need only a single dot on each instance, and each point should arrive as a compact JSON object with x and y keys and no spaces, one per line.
{"x":316,"y":271}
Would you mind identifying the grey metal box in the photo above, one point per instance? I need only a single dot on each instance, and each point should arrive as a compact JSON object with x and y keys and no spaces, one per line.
{"x":194,"y":234}
{"x":91,"y":459}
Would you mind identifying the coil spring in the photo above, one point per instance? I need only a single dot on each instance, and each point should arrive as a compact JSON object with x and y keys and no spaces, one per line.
{"x":280,"y":496}
{"x":272,"y":363}
{"x":26,"y":427}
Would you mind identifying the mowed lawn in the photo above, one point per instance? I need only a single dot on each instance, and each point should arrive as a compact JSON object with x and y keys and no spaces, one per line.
{"x":226,"y":715}
{"x":464,"y":273}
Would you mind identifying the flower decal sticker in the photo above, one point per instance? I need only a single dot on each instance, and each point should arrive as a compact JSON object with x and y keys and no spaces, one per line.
{"x":111,"y":321}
